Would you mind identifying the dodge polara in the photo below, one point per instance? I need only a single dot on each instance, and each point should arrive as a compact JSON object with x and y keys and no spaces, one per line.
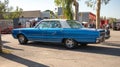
{"x":71,"y":33}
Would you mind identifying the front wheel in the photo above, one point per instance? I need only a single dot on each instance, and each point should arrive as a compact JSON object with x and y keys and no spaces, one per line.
{"x":22,"y":39}
{"x":70,"y":43}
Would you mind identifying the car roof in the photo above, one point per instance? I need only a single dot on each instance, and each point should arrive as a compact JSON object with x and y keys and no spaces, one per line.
{"x":54,"y":19}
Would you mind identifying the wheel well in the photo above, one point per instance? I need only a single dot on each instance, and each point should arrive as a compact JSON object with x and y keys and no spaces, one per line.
{"x":63,"y":40}
{"x":21,"y":34}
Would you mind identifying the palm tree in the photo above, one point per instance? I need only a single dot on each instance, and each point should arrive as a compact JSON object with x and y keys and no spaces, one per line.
{"x":2,"y":9}
{"x":97,"y":3}
{"x":98,"y":14}
{"x":67,"y":8}
{"x":0,"y":44}
{"x":76,"y":4}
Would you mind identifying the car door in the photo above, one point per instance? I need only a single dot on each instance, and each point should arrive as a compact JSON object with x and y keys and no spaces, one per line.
{"x":34,"y":34}
{"x":37,"y":34}
{"x":54,"y":32}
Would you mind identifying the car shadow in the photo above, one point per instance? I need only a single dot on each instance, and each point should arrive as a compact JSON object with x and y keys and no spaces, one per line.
{"x":88,"y":49}
{"x":112,"y":43}
{"x":8,"y":47}
{"x":28,"y":63}
{"x":47,"y":45}
{"x":5,"y":42}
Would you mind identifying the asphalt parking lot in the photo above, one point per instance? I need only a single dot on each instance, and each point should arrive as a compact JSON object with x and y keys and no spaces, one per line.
{"x":36,"y":54}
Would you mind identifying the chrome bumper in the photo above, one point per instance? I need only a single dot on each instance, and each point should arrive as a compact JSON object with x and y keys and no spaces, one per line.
{"x":100,"y":39}
{"x":107,"y":36}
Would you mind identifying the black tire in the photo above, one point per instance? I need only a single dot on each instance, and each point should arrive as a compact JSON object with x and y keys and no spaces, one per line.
{"x":70,"y":43}
{"x":22,"y":39}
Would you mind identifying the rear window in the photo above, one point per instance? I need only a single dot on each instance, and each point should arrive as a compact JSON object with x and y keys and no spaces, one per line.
{"x":74,"y":24}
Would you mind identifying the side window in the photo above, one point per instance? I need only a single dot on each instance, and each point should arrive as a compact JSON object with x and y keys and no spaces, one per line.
{"x":55,"y":24}
{"x":44,"y":24}
{"x":49,"y":24}
{"x":74,"y":24}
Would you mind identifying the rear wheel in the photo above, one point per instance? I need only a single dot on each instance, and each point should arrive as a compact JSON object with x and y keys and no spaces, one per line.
{"x":22,"y":39}
{"x":70,"y":43}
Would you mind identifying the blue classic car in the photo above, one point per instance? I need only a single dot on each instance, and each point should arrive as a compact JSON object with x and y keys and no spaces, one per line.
{"x":69,"y":32}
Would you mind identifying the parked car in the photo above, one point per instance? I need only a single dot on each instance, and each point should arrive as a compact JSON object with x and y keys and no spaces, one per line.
{"x":116,"y":26}
{"x":6,"y":26}
{"x":69,"y":32}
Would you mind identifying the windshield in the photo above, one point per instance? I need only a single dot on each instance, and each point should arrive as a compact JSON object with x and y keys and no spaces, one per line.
{"x":74,"y":24}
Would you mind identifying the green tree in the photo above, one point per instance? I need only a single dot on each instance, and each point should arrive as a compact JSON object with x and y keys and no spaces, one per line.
{"x":13,"y":14}
{"x":112,"y":20}
{"x":6,"y":13}
{"x":97,"y":3}
{"x":67,"y":8}
{"x":2,"y":11}
{"x":2,"y":8}
{"x":52,"y":14}
{"x":76,"y":4}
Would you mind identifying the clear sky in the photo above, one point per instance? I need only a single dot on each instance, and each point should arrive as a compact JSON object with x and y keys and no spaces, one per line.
{"x":110,"y":10}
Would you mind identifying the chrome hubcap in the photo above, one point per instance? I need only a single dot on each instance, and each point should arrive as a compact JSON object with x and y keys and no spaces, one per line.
{"x":21,"y":38}
{"x":69,"y":43}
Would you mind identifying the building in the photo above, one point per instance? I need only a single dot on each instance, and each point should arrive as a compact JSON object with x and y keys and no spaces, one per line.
{"x":86,"y":17}
{"x":46,"y":15}
{"x":31,"y":14}
{"x":118,"y":20}
{"x":36,"y":14}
